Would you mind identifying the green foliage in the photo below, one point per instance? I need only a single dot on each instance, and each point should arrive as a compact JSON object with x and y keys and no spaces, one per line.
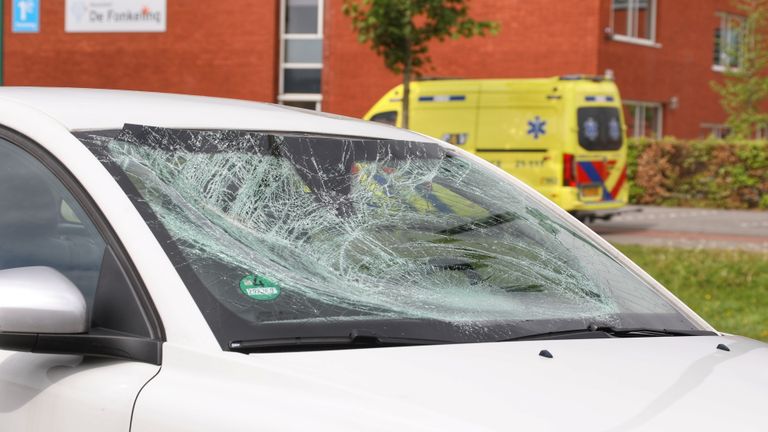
{"x":727,"y":288}
{"x":745,"y":86}
{"x":635,"y":148}
{"x":400,"y":31}
{"x":705,"y":173}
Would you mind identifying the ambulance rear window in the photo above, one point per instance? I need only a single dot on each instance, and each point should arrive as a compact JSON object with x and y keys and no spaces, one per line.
{"x":600,"y":128}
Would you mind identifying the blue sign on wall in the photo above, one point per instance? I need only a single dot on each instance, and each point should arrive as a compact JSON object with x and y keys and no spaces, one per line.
{"x":25,"y":16}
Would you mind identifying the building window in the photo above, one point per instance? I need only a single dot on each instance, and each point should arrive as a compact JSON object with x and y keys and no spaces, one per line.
{"x":727,"y":42}
{"x":761,"y":132}
{"x":633,"y":20}
{"x":644,"y":119}
{"x":721,"y":131}
{"x":301,"y":53}
{"x":713,"y":130}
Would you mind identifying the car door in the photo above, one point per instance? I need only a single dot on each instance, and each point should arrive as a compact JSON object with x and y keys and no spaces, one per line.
{"x":46,"y":219}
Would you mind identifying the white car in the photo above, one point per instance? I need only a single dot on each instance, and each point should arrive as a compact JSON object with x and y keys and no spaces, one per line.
{"x":178,"y":263}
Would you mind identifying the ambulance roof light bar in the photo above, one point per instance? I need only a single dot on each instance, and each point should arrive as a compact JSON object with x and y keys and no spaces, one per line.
{"x":437,"y":78}
{"x":578,"y":77}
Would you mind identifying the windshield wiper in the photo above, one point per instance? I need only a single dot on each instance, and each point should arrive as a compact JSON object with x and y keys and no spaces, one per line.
{"x":594,"y":331}
{"x":355,"y":339}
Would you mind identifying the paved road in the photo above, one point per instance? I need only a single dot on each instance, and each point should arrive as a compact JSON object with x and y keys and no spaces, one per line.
{"x":688,"y":227}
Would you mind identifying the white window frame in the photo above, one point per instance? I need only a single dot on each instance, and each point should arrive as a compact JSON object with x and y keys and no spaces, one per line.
{"x":725,"y":37}
{"x":639,"y":126}
{"x":716,"y":130}
{"x":761,"y":132}
{"x":633,"y":24}
{"x":283,"y":97}
{"x":719,"y":130}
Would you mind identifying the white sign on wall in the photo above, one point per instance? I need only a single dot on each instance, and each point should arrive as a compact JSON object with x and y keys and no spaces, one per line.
{"x":114,"y":16}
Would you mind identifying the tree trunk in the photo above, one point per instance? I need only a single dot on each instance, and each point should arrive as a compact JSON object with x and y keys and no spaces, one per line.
{"x":407,"y":89}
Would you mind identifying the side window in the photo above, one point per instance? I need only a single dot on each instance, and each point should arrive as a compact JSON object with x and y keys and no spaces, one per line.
{"x":388,"y":117}
{"x":41,"y":224}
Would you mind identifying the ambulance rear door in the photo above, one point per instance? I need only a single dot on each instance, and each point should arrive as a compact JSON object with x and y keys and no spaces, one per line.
{"x":600,"y":158}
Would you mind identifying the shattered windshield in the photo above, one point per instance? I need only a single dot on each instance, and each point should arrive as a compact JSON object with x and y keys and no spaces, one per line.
{"x":294,"y":235}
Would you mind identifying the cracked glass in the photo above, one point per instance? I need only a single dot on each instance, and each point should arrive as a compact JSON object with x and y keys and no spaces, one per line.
{"x":293,"y":235}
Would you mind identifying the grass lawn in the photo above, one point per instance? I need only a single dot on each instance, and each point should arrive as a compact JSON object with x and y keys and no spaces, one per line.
{"x":727,"y":288}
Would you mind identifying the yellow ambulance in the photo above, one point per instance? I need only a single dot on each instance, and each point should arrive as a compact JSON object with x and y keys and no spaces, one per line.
{"x":565,"y":136}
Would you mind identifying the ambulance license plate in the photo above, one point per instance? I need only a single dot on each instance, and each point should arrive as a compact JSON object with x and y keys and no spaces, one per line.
{"x":591,"y":192}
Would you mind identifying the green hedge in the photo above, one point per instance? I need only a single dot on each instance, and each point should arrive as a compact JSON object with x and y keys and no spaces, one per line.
{"x":703,"y":173}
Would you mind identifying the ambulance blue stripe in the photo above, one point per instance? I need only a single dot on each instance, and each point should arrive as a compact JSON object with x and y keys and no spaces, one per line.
{"x":380,"y":179}
{"x":591,"y":172}
{"x":439,"y":205}
{"x":430,"y":197}
{"x":598,"y":98}
{"x":595,"y":177}
{"x":450,"y":98}
{"x":607,"y":194}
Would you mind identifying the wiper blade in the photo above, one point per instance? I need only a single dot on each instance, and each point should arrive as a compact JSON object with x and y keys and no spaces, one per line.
{"x":594,"y":331}
{"x":356,"y":339}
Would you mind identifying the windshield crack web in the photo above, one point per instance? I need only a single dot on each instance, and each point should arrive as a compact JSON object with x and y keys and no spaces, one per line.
{"x":352,"y":227}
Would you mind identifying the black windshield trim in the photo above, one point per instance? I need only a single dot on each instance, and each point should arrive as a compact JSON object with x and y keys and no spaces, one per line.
{"x":355,"y":339}
{"x":206,"y":141}
{"x":85,"y":135}
{"x":592,"y":332}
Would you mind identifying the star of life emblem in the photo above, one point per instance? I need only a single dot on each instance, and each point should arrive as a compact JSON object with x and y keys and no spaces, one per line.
{"x":614,"y":130}
{"x":536,"y":127}
{"x":591,"y":130}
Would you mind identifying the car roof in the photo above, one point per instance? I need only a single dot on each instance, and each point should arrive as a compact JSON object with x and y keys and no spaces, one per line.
{"x":95,"y":109}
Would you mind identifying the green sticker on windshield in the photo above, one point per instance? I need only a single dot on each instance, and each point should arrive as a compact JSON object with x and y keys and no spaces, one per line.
{"x":259,"y":288}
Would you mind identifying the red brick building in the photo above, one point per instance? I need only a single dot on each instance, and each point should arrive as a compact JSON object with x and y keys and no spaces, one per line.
{"x":662,"y":53}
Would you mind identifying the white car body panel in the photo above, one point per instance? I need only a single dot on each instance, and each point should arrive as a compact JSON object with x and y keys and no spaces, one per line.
{"x":650,"y":384}
{"x":85,"y":109}
{"x":66,"y":393}
{"x":646,"y":384}
{"x":40,"y":392}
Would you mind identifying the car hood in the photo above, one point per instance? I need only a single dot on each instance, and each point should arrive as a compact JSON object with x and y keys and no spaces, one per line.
{"x":658,"y":383}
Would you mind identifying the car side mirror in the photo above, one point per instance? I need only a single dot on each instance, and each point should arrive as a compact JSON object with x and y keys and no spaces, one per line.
{"x":38,"y":300}
{"x":41,"y":311}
